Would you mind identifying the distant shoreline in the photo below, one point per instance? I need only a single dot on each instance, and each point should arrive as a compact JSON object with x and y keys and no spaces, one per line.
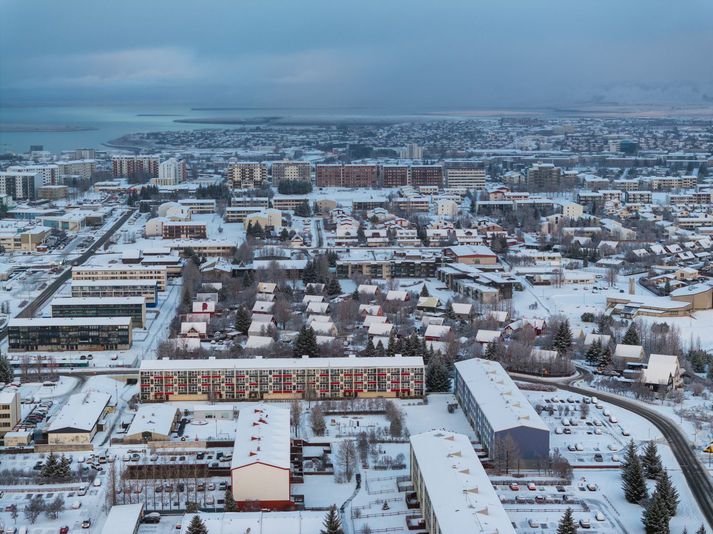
{"x":44,"y":128}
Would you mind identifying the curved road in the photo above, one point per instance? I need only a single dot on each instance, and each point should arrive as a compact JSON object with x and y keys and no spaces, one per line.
{"x":697,"y":477}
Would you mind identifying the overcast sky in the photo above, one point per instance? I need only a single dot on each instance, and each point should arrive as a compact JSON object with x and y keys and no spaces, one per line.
{"x":435,"y":54}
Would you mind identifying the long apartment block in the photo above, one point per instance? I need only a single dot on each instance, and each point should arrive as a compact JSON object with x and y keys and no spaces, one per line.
{"x":281,"y":378}
{"x":68,"y":334}
{"x":122,"y":272}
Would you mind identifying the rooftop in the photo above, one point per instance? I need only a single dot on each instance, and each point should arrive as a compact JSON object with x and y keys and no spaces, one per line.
{"x":262,"y":436}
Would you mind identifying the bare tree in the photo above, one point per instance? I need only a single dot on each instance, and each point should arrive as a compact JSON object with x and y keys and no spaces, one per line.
{"x":347,"y":458}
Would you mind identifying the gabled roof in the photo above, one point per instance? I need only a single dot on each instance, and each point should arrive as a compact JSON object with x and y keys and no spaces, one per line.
{"x":262,"y":435}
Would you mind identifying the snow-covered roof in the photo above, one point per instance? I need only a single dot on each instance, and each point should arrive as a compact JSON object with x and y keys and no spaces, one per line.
{"x":81,"y":412}
{"x":397,"y":361}
{"x":438,"y":331}
{"x":380,"y":329}
{"x":259,"y":522}
{"x":498,"y":397}
{"x":394,"y":295}
{"x":122,"y":518}
{"x":602,"y":338}
{"x":660,"y":368}
{"x":155,"y":418}
{"x":374,"y":319}
{"x":71,"y":321}
{"x":428,"y":302}
{"x":487,"y":336}
{"x":258,"y":342}
{"x":629,"y":351}
{"x":95,"y":301}
{"x":262,"y":435}
{"x":461,"y":494}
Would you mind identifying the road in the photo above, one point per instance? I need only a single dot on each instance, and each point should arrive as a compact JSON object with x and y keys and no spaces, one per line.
{"x":697,"y":477}
{"x":40,"y":300}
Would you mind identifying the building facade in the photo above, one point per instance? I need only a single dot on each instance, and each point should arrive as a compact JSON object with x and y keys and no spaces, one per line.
{"x":124,"y":272}
{"x":146,"y":289}
{"x":247,"y":175}
{"x":135,"y":167}
{"x":281,"y":378}
{"x":68,"y":334}
{"x":133,"y":307}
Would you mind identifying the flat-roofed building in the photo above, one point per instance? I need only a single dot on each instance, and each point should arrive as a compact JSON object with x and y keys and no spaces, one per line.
{"x":184,"y":230}
{"x":426,"y":175}
{"x":121,"y":272}
{"x":499,"y":411}
{"x":10,"y":409}
{"x":453,"y":489}
{"x":352,"y":175}
{"x":467,"y":174}
{"x":82,"y":168}
{"x":247,"y":174}
{"x":135,"y":166}
{"x":124,"y":519}
{"x":281,"y":378}
{"x":132,"y":307}
{"x":296,"y":171}
{"x":147,"y":289}
{"x":20,"y":185}
{"x":198,"y":205}
{"x":394,"y":175}
{"x":69,"y":334}
{"x":153,"y":422}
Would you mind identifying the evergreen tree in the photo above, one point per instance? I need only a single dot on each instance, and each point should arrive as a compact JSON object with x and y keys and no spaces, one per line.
{"x":437,"y":375}
{"x":380,"y":350}
{"x":230,"y":505}
{"x":333,"y":287}
{"x":605,"y":360}
{"x":594,"y":353}
{"x":370,"y":350}
{"x":701,"y":530}
{"x":634,"y":486}
{"x":242,"y":320}
{"x":392,"y":347}
{"x":197,"y":526}
{"x":7,"y":375}
{"x":49,"y":469}
{"x":424,"y":291}
{"x":563,"y":338}
{"x":655,"y":517}
{"x":566,"y":524}
{"x":631,"y":337}
{"x":651,"y":461}
{"x":449,"y":310}
{"x":491,"y":351}
{"x":668,"y":492}
{"x":332,"y":524}
{"x":355,"y":294}
{"x":306,"y":343}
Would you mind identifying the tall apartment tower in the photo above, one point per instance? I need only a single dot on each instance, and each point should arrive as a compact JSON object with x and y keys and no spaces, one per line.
{"x":171,"y":172}
{"x":543,"y":177}
{"x":352,"y":176}
{"x":135,"y":167}
{"x":247,"y":174}
{"x":299,"y":171}
{"x":49,"y":173}
{"x":411,"y":151}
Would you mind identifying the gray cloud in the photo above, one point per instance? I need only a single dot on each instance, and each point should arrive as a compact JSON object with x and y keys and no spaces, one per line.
{"x":445,"y":54}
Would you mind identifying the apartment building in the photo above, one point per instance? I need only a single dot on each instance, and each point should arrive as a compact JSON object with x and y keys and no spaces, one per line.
{"x":352,"y":176}
{"x":171,"y":172}
{"x":49,"y":173}
{"x":426,"y":175}
{"x":135,"y":167}
{"x":299,"y":171}
{"x":198,"y":205}
{"x":121,"y":272}
{"x":247,"y":175}
{"x":82,"y":169}
{"x":401,"y":265}
{"x":244,"y":202}
{"x":21,"y":185}
{"x":146,"y":289}
{"x":465,"y":174}
{"x":639,"y":197}
{"x":10,"y":410}
{"x":67,"y":334}
{"x":184,"y":230}
{"x":394,"y":175}
{"x":498,"y":411}
{"x":281,"y":378}
{"x":452,"y":487}
{"x":544,"y":177}
{"x":133,"y":307}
